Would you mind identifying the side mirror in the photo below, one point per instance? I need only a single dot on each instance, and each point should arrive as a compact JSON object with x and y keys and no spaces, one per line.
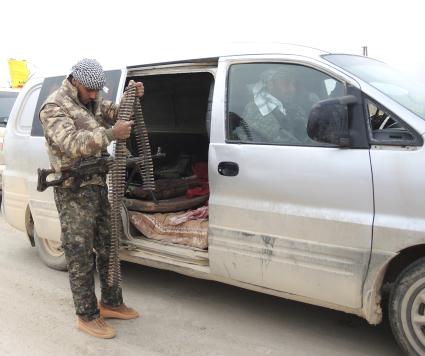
{"x":328,"y":121}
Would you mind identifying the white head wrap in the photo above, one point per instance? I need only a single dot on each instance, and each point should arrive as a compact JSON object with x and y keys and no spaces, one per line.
{"x":265,"y":101}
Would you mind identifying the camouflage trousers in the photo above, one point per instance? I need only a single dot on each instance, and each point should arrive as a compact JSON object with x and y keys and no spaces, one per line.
{"x":85,"y":223}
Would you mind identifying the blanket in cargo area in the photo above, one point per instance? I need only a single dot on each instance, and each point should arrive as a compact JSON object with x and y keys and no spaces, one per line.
{"x":189,"y":228}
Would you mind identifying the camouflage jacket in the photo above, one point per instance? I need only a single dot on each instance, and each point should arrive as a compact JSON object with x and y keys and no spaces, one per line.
{"x":276,"y":127}
{"x":73,"y":131}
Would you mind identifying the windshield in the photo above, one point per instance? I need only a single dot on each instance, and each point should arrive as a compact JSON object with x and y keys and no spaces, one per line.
{"x":6,"y":103}
{"x":399,"y":87}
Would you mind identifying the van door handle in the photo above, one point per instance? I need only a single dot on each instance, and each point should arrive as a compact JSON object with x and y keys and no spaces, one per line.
{"x":229,"y":169}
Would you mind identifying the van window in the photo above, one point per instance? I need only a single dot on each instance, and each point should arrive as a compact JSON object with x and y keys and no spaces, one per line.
{"x":49,"y":86}
{"x":386,"y":129}
{"x":176,"y":110}
{"x":269,"y":103}
{"x":7,"y":99}
{"x":53,"y":83}
{"x":177,"y":102}
{"x":406,"y":91}
{"x":24,"y":121}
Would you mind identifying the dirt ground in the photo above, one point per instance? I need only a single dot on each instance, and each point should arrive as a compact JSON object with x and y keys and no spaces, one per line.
{"x":180,"y":316}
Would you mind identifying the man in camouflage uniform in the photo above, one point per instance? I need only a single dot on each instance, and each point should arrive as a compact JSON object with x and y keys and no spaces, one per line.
{"x":273,"y":116}
{"x":77,"y":124}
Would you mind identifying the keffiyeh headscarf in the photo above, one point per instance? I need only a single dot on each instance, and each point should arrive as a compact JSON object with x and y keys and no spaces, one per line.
{"x":89,"y":73}
{"x":266,"y":102}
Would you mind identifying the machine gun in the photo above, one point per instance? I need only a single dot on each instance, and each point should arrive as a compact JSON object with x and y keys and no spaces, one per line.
{"x":80,"y":172}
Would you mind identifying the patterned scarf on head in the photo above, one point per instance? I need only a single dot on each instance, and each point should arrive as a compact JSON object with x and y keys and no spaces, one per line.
{"x":89,"y":73}
{"x":266,"y":102}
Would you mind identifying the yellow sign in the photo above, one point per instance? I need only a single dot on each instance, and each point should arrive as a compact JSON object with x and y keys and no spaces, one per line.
{"x":19,"y":73}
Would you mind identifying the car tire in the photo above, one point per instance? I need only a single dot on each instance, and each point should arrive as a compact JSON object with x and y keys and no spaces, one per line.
{"x":407,"y":309}
{"x":51,"y":253}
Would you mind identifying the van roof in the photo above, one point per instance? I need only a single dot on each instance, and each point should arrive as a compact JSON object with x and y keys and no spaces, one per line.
{"x":212,"y":54}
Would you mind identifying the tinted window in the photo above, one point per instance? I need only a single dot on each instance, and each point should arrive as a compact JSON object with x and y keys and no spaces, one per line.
{"x":49,"y":86}
{"x":269,"y":103}
{"x":176,"y":102}
{"x":53,"y":83}
{"x":26,"y":114}
{"x":7,"y":99}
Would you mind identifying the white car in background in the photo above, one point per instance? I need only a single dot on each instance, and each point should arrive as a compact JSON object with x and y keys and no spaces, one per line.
{"x":7,"y":99}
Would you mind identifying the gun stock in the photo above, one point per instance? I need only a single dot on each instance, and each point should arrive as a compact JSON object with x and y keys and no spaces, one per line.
{"x":42,"y":183}
{"x":87,"y":167}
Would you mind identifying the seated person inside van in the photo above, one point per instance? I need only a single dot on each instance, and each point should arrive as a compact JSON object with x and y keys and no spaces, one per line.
{"x":273,"y":116}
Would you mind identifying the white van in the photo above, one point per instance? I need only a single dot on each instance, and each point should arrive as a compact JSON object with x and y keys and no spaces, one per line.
{"x":327,"y":215}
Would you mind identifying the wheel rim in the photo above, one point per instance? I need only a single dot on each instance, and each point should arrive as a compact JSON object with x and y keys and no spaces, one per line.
{"x":413,"y":315}
{"x":418,"y":316}
{"x":54,"y":248}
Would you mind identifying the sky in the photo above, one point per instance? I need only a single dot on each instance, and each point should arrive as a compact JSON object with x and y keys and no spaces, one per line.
{"x":53,"y":35}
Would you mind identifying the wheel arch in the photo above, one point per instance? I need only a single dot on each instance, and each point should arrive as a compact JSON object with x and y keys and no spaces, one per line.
{"x":384,"y":268}
{"x":403,"y":259}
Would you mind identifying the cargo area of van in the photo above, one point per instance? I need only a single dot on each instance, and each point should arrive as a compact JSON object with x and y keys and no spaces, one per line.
{"x":173,"y":219}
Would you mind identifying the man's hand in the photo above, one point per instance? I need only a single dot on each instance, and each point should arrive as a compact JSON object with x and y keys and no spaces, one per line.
{"x":122,"y":129}
{"x":140,"y":89}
